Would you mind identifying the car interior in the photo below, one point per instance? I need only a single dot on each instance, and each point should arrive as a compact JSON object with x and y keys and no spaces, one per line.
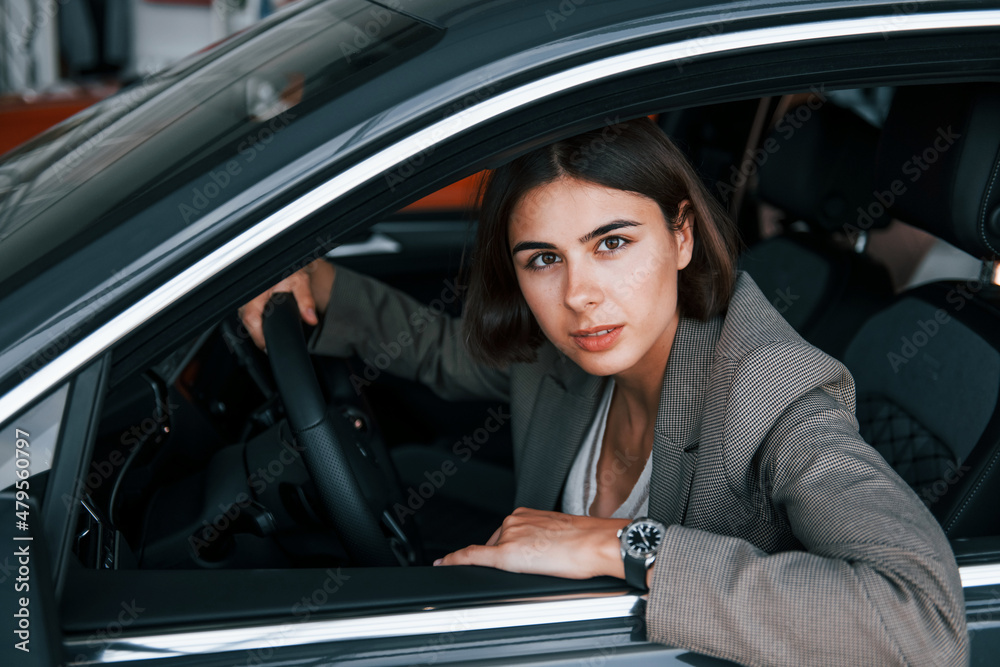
{"x":196,"y":465}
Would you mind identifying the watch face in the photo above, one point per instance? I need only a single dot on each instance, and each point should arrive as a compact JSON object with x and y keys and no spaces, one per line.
{"x":643,"y":539}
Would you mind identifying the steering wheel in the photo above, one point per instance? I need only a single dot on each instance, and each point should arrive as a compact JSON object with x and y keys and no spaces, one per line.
{"x":355,"y":492}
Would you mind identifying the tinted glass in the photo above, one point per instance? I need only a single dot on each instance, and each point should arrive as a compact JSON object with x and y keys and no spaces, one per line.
{"x":90,"y":173}
{"x":30,"y":443}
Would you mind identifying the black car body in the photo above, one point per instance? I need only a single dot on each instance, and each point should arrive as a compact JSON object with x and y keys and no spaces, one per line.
{"x":131,"y":233}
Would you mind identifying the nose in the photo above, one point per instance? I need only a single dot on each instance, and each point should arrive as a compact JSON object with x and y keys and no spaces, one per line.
{"x":582,"y":289}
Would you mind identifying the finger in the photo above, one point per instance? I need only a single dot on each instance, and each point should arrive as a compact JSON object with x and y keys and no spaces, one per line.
{"x":530,"y":512}
{"x":494,"y":538}
{"x":475,"y":554}
{"x":254,"y":325}
{"x":303,"y":296}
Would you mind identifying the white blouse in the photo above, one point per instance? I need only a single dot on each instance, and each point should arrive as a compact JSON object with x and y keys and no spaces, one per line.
{"x":581,"y":483}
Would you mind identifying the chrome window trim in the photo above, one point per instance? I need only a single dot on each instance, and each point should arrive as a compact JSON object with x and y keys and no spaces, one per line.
{"x":429,"y":621}
{"x":980,"y":575}
{"x":222,"y":258}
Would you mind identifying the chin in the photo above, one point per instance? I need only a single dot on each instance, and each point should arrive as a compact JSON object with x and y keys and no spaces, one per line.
{"x":606,"y":363}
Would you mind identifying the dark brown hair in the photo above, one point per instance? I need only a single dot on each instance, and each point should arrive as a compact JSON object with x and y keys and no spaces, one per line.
{"x":635,"y":156}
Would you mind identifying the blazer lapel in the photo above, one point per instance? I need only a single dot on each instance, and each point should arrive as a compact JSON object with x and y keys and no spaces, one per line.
{"x":567,"y":400}
{"x":678,"y":420}
{"x":565,"y":406}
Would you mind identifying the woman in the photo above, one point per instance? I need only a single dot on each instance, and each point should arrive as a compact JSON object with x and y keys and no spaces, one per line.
{"x":647,"y":377}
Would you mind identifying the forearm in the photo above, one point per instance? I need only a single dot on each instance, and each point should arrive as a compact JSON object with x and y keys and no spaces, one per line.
{"x":721,"y":596}
{"x":877,"y":582}
{"x":390,"y":331}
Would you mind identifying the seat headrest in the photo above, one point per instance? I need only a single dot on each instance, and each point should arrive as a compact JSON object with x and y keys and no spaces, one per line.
{"x":820,"y":168}
{"x":938,"y":163}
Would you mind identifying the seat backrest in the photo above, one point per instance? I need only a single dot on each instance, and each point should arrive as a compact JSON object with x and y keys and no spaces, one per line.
{"x":927,"y":367}
{"x":928,"y":384}
{"x":819,"y":169}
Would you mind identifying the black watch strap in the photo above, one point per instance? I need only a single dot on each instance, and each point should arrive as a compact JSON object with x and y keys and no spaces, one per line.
{"x":635,"y":572}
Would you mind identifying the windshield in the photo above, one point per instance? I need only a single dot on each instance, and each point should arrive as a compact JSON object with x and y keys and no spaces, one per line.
{"x":93,"y":171}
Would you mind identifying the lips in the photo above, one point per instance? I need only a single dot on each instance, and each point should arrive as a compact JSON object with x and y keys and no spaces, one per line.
{"x":596,"y":339}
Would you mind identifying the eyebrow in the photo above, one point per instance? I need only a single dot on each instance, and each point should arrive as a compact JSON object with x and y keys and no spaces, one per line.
{"x":589,"y":236}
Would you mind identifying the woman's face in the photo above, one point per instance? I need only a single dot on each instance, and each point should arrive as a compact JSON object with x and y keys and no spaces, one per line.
{"x":598,"y":268}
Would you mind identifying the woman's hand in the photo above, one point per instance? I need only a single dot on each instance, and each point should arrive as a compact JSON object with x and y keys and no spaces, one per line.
{"x":311,"y":287}
{"x":552,"y":543}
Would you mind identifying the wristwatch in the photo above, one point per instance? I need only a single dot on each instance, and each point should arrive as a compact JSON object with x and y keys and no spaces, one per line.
{"x":640,"y":541}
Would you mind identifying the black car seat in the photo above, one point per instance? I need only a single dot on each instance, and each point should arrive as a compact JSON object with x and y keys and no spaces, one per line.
{"x":927,"y":367}
{"x":819,"y":169}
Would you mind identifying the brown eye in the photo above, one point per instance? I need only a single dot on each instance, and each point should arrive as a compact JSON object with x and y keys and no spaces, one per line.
{"x":543,"y":259}
{"x":613,"y":243}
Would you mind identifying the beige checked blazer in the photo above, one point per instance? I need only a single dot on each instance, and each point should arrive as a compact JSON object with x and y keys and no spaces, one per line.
{"x":790,"y":541}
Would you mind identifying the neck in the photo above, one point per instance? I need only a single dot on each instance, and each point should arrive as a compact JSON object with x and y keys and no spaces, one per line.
{"x":638,"y":389}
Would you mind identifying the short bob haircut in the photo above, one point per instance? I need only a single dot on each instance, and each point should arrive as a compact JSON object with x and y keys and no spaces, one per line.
{"x":635,"y":156}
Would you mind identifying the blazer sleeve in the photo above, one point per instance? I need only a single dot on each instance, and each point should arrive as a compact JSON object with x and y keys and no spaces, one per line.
{"x":877,"y":584}
{"x":393,"y":332}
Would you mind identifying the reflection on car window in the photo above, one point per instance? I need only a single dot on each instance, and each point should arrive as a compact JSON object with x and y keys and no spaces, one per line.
{"x":78,"y":179}
{"x":38,"y":432}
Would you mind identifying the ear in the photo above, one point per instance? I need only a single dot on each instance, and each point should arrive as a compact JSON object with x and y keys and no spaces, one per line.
{"x":684,"y":236}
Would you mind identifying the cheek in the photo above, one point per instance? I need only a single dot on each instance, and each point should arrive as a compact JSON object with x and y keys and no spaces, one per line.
{"x":645,"y":279}
{"x":540,"y":298}
{"x":648,"y":292}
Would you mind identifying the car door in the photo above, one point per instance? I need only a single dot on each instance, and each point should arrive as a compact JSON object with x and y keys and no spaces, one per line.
{"x":45,"y":448}
{"x":374,"y":616}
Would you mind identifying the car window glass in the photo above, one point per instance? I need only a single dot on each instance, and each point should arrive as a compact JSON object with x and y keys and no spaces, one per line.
{"x":89,"y":176}
{"x":29,"y":441}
